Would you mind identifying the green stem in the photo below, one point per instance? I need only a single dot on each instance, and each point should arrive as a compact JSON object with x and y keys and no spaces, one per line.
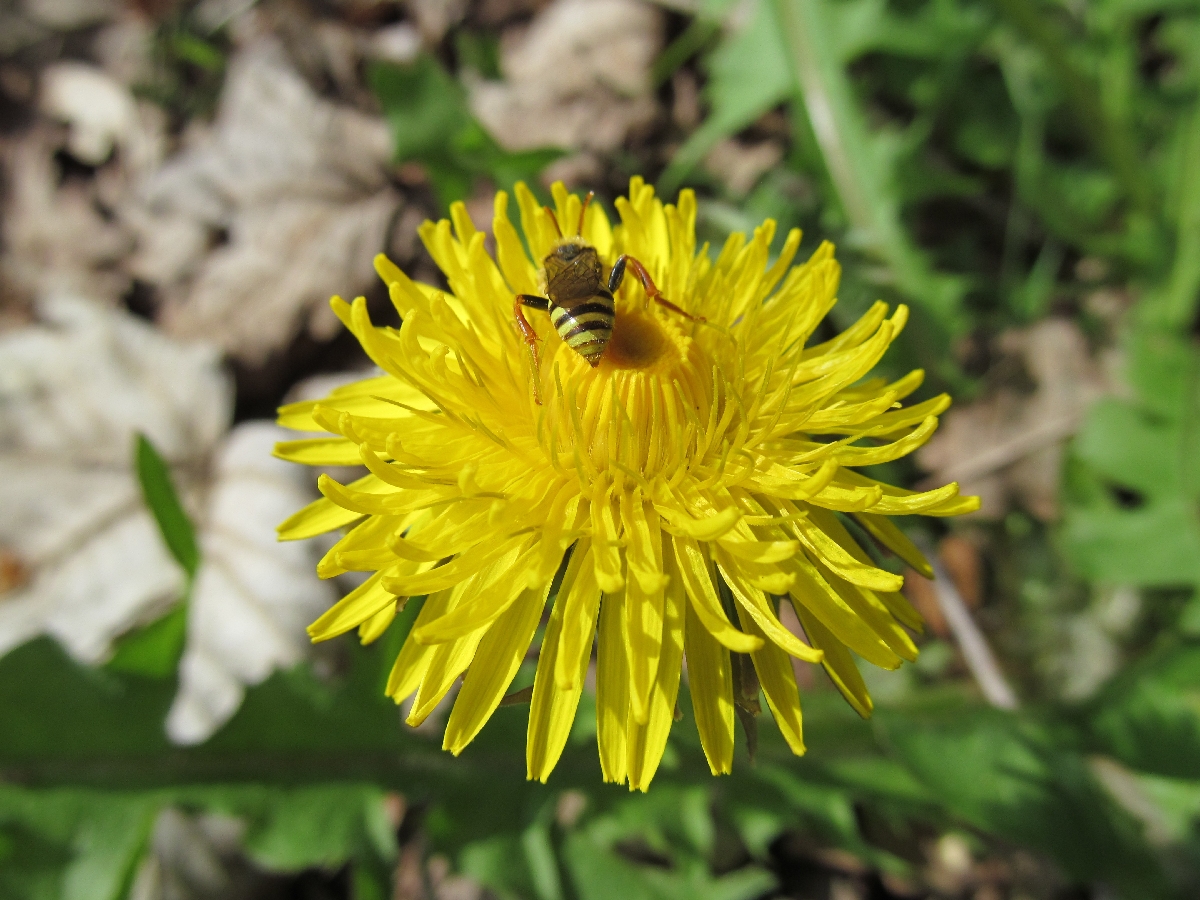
{"x":1183,"y":289}
{"x":862,"y":185}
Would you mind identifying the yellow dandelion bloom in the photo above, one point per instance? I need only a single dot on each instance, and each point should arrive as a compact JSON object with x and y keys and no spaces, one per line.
{"x":698,"y":476}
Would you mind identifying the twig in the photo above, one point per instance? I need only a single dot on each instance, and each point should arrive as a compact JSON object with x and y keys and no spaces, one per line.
{"x":978,"y":655}
{"x":1006,"y":452}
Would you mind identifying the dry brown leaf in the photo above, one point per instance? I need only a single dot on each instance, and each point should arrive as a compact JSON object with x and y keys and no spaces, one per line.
{"x":102,"y":115}
{"x":296,"y":188}
{"x":578,"y":78}
{"x":55,"y":238}
{"x":740,"y":165}
{"x":1007,"y":447}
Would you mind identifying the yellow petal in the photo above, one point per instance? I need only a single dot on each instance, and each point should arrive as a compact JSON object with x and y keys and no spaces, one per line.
{"x":361,"y":604}
{"x":552,"y":709}
{"x":500,"y":654}
{"x":579,"y":603}
{"x":413,"y":660}
{"x":647,"y":741}
{"x":319,"y":452}
{"x":711,"y":682}
{"x":318,"y":517}
{"x":838,"y":662}
{"x":612,"y":689}
{"x":778,"y":682}
{"x":752,"y":603}
{"x":885,"y":531}
{"x":697,"y":580}
{"x":814,"y":593}
{"x":643,"y":603}
{"x":372,"y":629}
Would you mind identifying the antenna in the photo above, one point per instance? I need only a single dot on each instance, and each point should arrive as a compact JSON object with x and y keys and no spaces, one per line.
{"x":583,"y":212}
{"x":554,"y":219}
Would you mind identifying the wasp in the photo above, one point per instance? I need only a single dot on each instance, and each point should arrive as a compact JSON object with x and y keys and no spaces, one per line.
{"x":579,"y":299}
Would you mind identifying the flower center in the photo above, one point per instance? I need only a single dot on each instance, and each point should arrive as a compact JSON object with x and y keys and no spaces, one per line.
{"x":638,"y":341}
{"x":634,"y":409}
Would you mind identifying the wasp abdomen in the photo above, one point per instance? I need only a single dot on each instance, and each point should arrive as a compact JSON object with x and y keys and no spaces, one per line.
{"x":585,"y":325}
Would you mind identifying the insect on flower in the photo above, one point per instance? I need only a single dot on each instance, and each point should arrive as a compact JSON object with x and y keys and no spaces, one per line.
{"x":695,"y":486}
{"x":581,"y":306}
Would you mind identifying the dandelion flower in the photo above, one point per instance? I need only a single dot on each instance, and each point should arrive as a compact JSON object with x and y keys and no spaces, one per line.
{"x":697,"y":477}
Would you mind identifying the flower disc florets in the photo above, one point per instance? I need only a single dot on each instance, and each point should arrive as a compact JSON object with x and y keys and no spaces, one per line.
{"x":701,"y":474}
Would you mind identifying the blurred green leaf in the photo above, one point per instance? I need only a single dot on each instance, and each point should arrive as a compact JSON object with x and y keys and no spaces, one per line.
{"x":161,"y":498}
{"x":1011,"y":777}
{"x":1133,"y":516}
{"x":748,"y":74}
{"x":315,"y":825}
{"x":431,"y":123}
{"x":99,"y":837}
{"x":153,"y":650}
{"x":1148,"y":717}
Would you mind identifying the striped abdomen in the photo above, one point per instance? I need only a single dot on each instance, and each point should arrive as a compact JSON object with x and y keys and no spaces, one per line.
{"x":586,"y":325}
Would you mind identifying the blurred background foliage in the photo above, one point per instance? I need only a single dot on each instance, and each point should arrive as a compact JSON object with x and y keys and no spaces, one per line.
{"x":1025,"y":174}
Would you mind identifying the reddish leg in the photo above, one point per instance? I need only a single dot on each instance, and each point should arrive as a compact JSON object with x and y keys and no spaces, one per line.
{"x":530,"y":336}
{"x":652,"y":291}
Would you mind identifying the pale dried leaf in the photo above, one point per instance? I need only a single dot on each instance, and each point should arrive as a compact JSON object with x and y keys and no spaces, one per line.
{"x":297,"y":187}
{"x":55,"y":239}
{"x":66,"y":15}
{"x":1007,"y":447}
{"x":101,"y":113}
{"x":739,"y":165}
{"x":253,"y":595}
{"x":74,"y":390}
{"x":579,"y":77}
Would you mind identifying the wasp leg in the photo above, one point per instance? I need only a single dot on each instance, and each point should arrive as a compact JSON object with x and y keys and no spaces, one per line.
{"x":652,"y":291}
{"x":530,"y":336}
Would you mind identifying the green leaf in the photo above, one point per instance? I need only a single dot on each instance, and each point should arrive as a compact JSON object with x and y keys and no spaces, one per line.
{"x":431,"y":123}
{"x":424,"y":105}
{"x":747,"y":75}
{"x":313,"y":825}
{"x":1148,"y":717}
{"x":599,"y":871}
{"x":154,"y":650}
{"x":162,"y":500}
{"x":1133,"y":516}
{"x":1009,"y":777}
{"x":860,"y":163}
{"x":99,"y":836}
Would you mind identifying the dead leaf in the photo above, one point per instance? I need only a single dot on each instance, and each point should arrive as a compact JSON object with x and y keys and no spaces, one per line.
{"x":55,"y":238}
{"x":74,"y":389}
{"x":67,"y":15}
{"x":436,"y":17}
{"x":254,"y":596}
{"x":578,"y":78}
{"x":1007,"y":447}
{"x":739,"y":165}
{"x":292,"y":188}
{"x":102,"y":115}
{"x":84,"y":560}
